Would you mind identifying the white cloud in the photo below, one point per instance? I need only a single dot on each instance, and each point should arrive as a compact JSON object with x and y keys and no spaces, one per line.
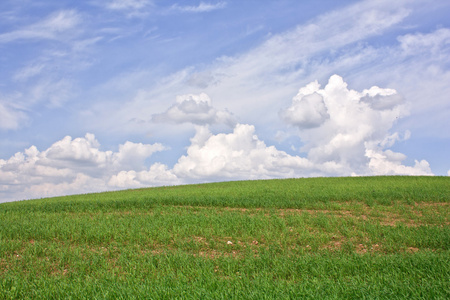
{"x":350,"y":129}
{"x":11,"y":117}
{"x":423,"y":78}
{"x":432,"y":42}
{"x":202,"y":7}
{"x":237,"y":155}
{"x":389,"y":163}
{"x":52,"y":92}
{"x":195,"y":109}
{"x":271,"y":71}
{"x":73,"y":166}
{"x":132,"y":156}
{"x":308,"y":109}
{"x":343,"y":131}
{"x":351,"y":140}
{"x":28,"y":72}
{"x":81,"y":183}
{"x":54,"y":26}
{"x":127,"y":4}
{"x":44,"y":81}
{"x":380,"y":99}
{"x":131,"y":8}
{"x":202,"y":79}
{"x":158,"y":174}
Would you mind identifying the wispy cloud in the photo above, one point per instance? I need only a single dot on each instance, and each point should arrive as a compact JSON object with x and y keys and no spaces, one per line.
{"x":62,"y":47}
{"x":28,"y":72}
{"x":127,"y":4}
{"x":202,"y":7}
{"x":55,"y":26}
{"x":349,"y":125}
{"x":131,"y":8}
{"x":354,"y":139}
{"x":433,"y":42}
{"x":271,"y":70}
{"x":11,"y":117}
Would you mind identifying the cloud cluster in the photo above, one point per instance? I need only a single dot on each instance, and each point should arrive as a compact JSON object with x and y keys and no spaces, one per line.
{"x":308,"y":108}
{"x":237,"y":155}
{"x":342,"y":131}
{"x":349,"y":130}
{"x":345,"y":132}
{"x":233,"y":156}
{"x":69,"y":166}
{"x":196,"y":109}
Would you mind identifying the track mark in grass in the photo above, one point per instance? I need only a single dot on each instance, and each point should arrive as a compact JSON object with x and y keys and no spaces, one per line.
{"x":412,"y":249}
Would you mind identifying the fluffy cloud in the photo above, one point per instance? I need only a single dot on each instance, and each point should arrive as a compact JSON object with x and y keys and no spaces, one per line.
{"x":71,"y":166}
{"x":195,"y":109}
{"x":84,"y":153}
{"x":308,"y":109}
{"x":157,"y":174}
{"x":349,"y":130}
{"x":344,"y":132}
{"x":237,"y":155}
{"x":389,"y":163}
{"x":272,"y":70}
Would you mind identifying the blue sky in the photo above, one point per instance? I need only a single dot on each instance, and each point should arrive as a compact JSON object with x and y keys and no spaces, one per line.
{"x":105,"y":95}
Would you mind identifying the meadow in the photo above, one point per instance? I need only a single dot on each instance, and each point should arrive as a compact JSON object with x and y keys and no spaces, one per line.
{"x":307,"y":238}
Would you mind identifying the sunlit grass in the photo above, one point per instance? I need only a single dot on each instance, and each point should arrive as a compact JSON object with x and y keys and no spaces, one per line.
{"x":378,"y":237}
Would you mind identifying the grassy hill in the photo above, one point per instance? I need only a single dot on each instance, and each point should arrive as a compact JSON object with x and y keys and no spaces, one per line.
{"x":318,"y":238}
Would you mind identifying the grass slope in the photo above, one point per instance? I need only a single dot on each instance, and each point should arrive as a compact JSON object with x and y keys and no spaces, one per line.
{"x":364,"y":237}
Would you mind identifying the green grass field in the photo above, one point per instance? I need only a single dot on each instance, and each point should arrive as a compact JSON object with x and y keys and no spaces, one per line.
{"x":314,"y":238}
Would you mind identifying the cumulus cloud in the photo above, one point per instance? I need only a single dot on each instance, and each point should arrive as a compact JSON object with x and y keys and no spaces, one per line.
{"x":346,"y":131}
{"x":237,"y":155}
{"x":380,"y":99}
{"x":157,"y":174}
{"x":72,"y":166}
{"x":308,"y":109}
{"x":196,"y":109}
{"x":389,"y":163}
{"x":273,"y":69}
